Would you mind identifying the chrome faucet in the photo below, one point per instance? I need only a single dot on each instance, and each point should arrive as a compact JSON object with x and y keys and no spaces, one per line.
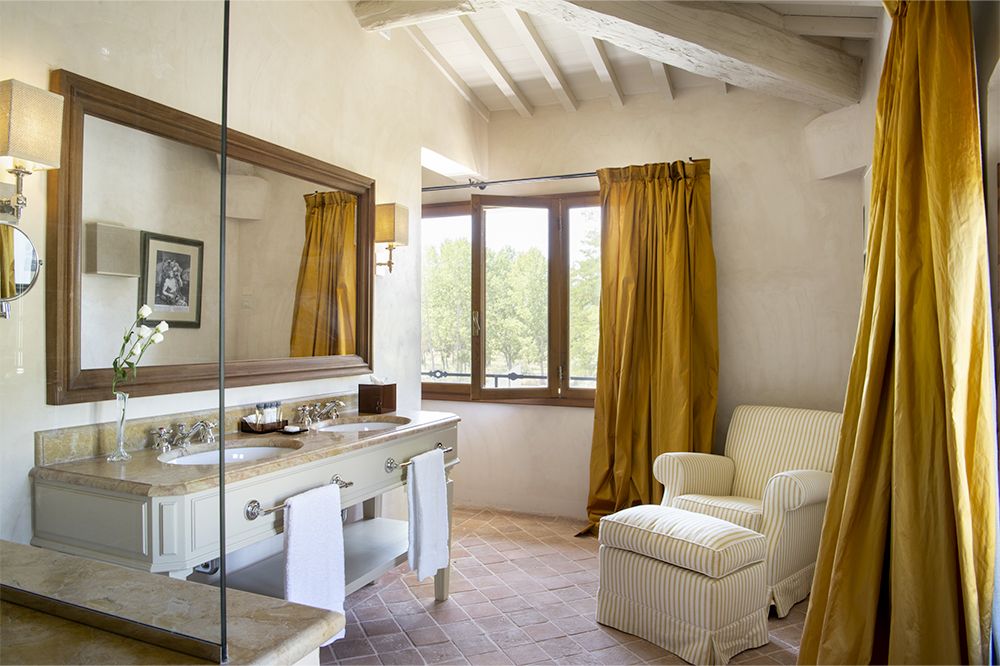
{"x":162,"y":439}
{"x":184,"y":436}
{"x":324,"y":410}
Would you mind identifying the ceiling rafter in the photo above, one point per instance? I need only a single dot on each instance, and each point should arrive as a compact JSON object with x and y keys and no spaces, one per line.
{"x":605,"y":71}
{"x":661,"y":74}
{"x":525,"y":29}
{"x":449,"y":72}
{"x":496,"y":71}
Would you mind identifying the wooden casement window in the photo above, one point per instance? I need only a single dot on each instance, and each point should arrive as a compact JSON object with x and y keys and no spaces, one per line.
{"x":531,"y":304}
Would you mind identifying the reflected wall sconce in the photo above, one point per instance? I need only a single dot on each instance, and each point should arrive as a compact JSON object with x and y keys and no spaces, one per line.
{"x":392,"y":226}
{"x":30,"y":136}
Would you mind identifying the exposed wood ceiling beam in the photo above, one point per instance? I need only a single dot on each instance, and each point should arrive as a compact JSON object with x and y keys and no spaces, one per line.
{"x":496,"y":70}
{"x":605,"y":72}
{"x":709,"y":39}
{"x":738,"y":44}
{"x":661,"y":74}
{"x":832,"y":26}
{"x":722,"y":87}
{"x":374,"y":15}
{"x":449,"y":72}
{"x":525,"y":29}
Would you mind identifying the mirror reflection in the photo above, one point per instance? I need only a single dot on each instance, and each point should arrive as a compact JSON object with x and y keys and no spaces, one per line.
{"x":19,"y":264}
{"x":149,"y":212}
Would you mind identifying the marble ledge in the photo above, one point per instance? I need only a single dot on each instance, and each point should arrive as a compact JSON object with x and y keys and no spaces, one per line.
{"x":147,"y":475}
{"x":261,"y":630}
{"x":97,"y":440}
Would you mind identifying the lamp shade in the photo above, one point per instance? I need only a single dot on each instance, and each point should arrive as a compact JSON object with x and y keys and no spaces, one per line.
{"x":392,"y":224}
{"x":30,"y":126}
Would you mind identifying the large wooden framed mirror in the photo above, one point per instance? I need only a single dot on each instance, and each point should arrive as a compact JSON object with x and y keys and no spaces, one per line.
{"x":134,"y":208}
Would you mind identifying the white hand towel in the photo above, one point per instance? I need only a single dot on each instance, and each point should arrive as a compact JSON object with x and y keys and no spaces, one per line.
{"x":314,"y":550}
{"x":428,"y":499}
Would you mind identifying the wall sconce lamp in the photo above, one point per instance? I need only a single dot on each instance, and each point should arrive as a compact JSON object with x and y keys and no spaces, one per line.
{"x":30,"y":136}
{"x":392,"y":226}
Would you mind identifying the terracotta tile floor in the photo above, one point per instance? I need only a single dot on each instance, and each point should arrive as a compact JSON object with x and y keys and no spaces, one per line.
{"x":522,"y":592}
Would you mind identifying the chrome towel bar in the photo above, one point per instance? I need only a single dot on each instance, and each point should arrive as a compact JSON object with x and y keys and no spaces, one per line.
{"x":253,"y":510}
{"x":391,"y":465}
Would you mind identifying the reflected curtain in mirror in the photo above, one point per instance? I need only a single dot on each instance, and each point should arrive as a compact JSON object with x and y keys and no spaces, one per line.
{"x":323,"y":322}
{"x":658,"y":355}
{"x":905,"y":567}
{"x":7,"y":286}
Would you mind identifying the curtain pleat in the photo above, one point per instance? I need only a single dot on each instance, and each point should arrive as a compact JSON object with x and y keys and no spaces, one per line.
{"x":905,"y":567}
{"x":658,"y":358}
{"x":323,"y":321}
{"x":7,"y":287}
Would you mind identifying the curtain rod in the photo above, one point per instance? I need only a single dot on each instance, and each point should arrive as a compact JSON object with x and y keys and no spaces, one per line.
{"x":482,"y":184}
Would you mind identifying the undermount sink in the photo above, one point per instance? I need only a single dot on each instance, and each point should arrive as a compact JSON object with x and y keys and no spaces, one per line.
{"x":234,"y":455}
{"x":362,"y":426}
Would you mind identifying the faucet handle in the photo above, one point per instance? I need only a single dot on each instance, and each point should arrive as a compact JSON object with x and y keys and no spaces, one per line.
{"x":162,"y":438}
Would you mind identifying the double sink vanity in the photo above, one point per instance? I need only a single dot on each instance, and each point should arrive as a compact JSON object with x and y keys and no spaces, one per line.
{"x":160,"y":512}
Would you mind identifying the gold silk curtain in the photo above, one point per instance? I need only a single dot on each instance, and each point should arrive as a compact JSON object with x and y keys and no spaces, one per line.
{"x":905,"y":567}
{"x":7,"y":287}
{"x":658,"y":355}
{"x":323,"y":322}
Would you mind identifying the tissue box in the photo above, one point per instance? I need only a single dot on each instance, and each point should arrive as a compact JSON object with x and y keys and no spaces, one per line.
{"x":376,"y":398}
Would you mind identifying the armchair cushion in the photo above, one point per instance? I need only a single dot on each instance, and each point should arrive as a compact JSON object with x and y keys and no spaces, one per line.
{"x":687,"y":473}
{"x":692,"y":541}
{"x":742,"y":511}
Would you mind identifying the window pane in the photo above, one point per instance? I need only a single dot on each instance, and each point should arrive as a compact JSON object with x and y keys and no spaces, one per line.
{"x":517,"y":297}
{"x":584,"y":294}
{"x":446,"y":335}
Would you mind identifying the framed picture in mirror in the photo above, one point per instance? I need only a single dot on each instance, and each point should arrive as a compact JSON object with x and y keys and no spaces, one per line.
{"x":170,"y":279}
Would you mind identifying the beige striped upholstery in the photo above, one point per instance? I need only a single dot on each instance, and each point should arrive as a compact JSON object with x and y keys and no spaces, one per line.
{"x":704,"y":619}
{"x":686,"y":473}
{"x":763,"y":441}
{"x":781,"y":460}
{"x":710,"y":546}
{"x":743,"y":511}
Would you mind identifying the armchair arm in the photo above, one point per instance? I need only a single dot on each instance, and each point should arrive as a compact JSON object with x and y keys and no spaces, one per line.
{"x":685,"y":473}
{"x":794,"y":489}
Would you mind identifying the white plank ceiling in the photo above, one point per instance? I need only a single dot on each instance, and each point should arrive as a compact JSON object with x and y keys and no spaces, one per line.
{"x":842,"y":25}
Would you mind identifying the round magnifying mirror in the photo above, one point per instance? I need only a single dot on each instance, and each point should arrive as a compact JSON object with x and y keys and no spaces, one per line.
{"x":19,"y":263}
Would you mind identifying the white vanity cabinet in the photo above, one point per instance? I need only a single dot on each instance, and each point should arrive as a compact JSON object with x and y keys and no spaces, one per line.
{"x":172,"y":533}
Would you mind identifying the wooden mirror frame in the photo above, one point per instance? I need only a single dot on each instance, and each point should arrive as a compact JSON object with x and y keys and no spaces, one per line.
{"x":67,"y":382}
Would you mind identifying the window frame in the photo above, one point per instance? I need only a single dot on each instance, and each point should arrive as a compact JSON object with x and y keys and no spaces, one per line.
{"x":558,"y":391}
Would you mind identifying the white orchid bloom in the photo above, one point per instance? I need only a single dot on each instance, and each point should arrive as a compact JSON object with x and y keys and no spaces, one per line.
{"x":145,"y":311}
{"x":157,"y":338}
{"x":162,"y":327}
{"x":145,"y":332}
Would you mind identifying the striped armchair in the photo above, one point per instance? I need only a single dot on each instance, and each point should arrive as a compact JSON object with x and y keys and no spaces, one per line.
{"x":773,"y":479}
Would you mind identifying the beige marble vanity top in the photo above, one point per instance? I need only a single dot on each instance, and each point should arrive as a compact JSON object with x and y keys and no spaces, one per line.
{"x":146,"y":474}
{"x":261,"y":630}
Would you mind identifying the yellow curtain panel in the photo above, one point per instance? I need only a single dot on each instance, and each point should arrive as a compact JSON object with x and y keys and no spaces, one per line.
{"x":658,"y":356}
{"x":323,"y":322}
{"x":905,"y":567}
{"x":7,"y":287}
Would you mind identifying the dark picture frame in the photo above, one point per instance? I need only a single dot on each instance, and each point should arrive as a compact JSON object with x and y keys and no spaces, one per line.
{"x":170,"y":278}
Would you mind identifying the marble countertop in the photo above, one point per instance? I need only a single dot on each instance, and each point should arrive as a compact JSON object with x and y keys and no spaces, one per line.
{"x":261,"y":630}
{"x":147,"y":474}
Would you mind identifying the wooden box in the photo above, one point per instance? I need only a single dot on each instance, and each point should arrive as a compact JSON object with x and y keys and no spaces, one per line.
{"x":376,"y":398}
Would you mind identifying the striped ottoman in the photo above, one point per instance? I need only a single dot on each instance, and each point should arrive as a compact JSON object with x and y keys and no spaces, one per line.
{"x":693,"y":584}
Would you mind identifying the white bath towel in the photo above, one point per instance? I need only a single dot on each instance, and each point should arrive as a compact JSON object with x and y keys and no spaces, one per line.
{"x":428,"y":499}
{"x":314,"y":550}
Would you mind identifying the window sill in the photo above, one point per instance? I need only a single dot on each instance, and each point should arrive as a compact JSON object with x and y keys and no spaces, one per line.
{"x":548,"y":402}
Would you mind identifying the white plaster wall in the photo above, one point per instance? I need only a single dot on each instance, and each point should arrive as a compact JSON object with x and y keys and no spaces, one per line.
{"x":789,"y":254}
{"x":303,"y":75}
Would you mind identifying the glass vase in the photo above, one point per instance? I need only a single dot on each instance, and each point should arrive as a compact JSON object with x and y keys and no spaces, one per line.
{"x":120,"y":455}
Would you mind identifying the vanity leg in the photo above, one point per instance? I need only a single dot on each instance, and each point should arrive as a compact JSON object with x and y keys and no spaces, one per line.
{"x":180,"y":574}
{"x":442,"y":578}
{"x":372,"y":508}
